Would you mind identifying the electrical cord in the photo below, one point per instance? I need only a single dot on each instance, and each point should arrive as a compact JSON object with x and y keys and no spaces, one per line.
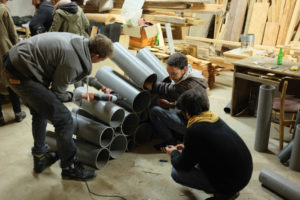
{"x":101,"y":195}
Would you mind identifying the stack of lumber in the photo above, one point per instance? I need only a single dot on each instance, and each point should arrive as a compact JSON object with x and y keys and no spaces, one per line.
{"x":206,"y":67}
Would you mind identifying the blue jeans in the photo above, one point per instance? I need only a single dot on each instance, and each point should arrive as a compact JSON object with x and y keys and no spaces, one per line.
{"x":14,"y":101}
{"x":44,"y":105}
{"x":167,"y":124}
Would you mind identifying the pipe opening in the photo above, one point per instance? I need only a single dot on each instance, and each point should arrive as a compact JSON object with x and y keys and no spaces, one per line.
{"x":106,"y":137}
{"x":141,"y":101}
{"x":129,"y":124}
{"x":152,"y":78}
{"x":130,"y":145}
{"x":102,"y":158}
{"x":118,"y":146}
{"x":117,"y":118}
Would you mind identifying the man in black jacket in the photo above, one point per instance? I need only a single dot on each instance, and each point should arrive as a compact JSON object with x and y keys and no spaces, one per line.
{"x":165,"y":119}
{"x":213,"y":158}
{"x":42,"y":19}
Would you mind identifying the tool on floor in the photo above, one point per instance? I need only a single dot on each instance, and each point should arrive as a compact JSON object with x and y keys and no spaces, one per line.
{"x":294,"y":68}
{"x":100,"y":97}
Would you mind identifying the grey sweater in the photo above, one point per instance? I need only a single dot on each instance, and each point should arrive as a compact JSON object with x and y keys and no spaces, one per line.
{"x":58,"y":59}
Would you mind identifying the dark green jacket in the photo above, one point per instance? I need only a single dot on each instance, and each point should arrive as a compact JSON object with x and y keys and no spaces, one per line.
{"x":64,"y":21}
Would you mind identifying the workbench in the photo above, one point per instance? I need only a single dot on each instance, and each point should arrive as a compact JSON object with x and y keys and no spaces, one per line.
{"x":249,"y":74}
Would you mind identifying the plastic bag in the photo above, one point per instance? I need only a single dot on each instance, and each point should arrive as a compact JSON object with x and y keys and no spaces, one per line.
{"x":132,"y":11}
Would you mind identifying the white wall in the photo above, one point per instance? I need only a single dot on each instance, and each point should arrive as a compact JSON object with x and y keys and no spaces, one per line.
{"x":20,"y":7}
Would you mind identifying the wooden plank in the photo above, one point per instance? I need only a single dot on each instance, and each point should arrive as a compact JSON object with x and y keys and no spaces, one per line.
{"x":273,"y":11}
{"x":94,"y":31}
{"x":293,"y":23}
{"x":297,"y":36}
{"x":278,"y":4}
{"x":124,"y":40}
{"x":285,"y":22}
{"x":250,"y":10}
{"x":258,"y":21}
{"x":271,"y":33}
{"x":235,"y":20}
{"x":281,"y":10}
{"x":270,"y":14}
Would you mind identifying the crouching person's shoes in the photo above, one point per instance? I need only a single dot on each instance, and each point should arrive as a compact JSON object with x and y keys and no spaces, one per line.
{"x":20,"y":116}
{"x":41,"y":162}
{"x":77,"y":172}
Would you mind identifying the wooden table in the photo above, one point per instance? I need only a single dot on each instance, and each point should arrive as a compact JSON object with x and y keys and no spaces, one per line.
{"x":249,"y":74}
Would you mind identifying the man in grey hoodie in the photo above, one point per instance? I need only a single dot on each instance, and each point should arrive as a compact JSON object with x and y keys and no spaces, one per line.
{"x":39,"y":70}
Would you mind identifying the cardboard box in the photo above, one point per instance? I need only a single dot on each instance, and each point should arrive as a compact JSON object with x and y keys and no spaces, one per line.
{"x":141,"y":36}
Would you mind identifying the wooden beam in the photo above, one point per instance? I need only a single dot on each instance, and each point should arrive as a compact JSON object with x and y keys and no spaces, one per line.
{"x":271,"y":33}
{"x":293,"y":23}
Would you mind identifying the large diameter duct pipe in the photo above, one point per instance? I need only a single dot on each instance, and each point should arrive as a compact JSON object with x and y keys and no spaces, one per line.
{"x":138,"y":100}
{"x":295,"y":156}
{"x":130,"y":143}
{"x":264,"y":112}
{"x":143,"y":133}
{"x":93,"y":132}
{"x":118,"y":146}
{"x":87,"y":154}
{"x":132,"y":66}
{"x":129,"y":124}
{"x":279,"y":185}
{"x":154,"y":63}
{"x":285,"y":154}
{"x":107,"y":112}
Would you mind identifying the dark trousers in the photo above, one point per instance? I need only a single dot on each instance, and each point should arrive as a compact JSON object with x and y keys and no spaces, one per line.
{"x":167,"y":124}
{"x":14,"y":101}
{"x":197,"y":179}
{"x":44,"y":105}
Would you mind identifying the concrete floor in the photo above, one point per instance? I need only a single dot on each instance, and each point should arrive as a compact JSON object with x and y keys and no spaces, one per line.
{"x":136,"y":175}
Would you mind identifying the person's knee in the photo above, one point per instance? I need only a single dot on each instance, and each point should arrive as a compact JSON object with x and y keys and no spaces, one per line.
{"x":156,"y":112}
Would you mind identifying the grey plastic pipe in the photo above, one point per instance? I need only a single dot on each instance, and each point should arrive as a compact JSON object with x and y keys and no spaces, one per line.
{"x":93,"y":132}
{"x":132,"y":66}
{"x":129,"y":124}
{"x":279,"y":184}
{"x":137,"y":99}
{"x":143,"y":133}
{"x":87,"y":154}
{"x":264,"y":112}
{"x":227,"y":108}
{"x":118,"y":145}
{"x":130,"y":143}
{"x":154,"y":63}
{"x":107,"y":112}
{"x":144,"y":115}
{"x":285,"y":154}
{"x":295,"y":156}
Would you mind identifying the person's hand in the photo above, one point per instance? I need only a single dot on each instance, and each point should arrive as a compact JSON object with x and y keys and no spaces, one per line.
{"x":163,"y":103}
{"x":91,"y":96}
{"x":179,"y":147}
{"x":148,"y":85}
{"x":106,"y":90}
{"x":170,"y":148}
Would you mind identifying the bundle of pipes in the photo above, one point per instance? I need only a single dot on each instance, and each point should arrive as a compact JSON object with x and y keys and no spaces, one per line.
{"x":143,"y":133}
{"x":87,"y":154}
{"x":98,"y":134}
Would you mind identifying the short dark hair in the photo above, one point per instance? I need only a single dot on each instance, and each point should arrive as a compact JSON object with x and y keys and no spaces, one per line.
{"x":193,"y":101}
{"x":102,"y":45}
{"x":177,"y":59}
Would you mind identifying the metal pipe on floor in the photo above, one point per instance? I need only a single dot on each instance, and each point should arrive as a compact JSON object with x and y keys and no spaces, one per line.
{"x":129,"y":124}
{"x":118,"y":145}
{"x":132,"y":66}
{"x":92,"y":131}
{"x":285,"y":154}
{"x":87,"y":154}
{"x":137,"y":99}
{"x":154,"y":63}
{"x":143,"y":133}
{"x":279,"y":184}
{"x":107,"y":112}
{"x":264,"y":112}
{"x":295,"y":156}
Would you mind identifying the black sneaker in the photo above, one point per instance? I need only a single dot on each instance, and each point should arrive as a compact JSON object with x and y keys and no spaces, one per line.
{"x":77,"y":172}
{"x":20,"y":116}
{"x":41,"y":162}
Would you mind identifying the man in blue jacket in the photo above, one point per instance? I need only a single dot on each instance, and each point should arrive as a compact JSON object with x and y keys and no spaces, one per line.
{"x":39,"y":70}
{"x":43,"y":17}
